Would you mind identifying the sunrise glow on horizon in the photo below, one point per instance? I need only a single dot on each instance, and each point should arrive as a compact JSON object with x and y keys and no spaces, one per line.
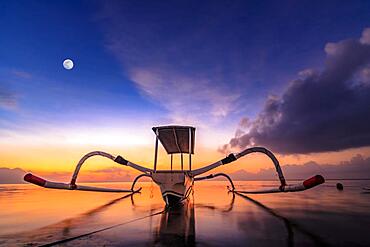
{"x":240,"y":81}
{"x":184,"y":123}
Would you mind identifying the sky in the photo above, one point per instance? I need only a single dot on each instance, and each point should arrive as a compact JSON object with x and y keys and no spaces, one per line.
{"x":293,"y":76}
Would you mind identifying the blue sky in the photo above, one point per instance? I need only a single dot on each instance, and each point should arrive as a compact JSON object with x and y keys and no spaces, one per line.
{"x":39,"y":36}
{"x":143,"y":63}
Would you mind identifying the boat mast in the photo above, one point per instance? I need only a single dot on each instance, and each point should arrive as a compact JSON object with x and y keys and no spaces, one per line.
{"x":182,"y":162}
{"x":190,"y":142}
{"x":156,"y":150}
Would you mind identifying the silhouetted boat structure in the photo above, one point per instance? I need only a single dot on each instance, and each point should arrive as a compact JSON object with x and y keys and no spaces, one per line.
{"x":177,"y":185}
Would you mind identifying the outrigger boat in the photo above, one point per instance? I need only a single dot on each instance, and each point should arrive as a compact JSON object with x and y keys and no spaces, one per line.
{"x":177,"y":185}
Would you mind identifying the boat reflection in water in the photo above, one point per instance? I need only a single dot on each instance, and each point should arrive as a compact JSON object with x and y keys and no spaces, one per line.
{"x":289,"y":225}
{"x":177,"y":226}
{"x":211,"y":217}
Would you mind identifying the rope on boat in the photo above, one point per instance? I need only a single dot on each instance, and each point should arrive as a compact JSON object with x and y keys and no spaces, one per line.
{"x":101,"y":230}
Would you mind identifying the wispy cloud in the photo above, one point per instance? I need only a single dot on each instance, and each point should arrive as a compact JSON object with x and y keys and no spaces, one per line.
{"x":179,"y":59}
{"x":110,"y":174}
{"x":321,"y":111}
{"x":21,"y":74}
{"x":8,"y":99}
{"x":358,"y":167}
{"x":186,"y":98}
{"x":11,"y":176}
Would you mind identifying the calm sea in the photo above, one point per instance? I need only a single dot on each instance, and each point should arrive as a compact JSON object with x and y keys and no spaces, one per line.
{"x":322,"y":216}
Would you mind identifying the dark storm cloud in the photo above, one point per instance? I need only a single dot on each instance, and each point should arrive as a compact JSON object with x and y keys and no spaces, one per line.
{"x":321,"y":111}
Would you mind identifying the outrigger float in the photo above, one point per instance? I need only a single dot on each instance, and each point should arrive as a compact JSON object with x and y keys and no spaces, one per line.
{"x":177,"y":185}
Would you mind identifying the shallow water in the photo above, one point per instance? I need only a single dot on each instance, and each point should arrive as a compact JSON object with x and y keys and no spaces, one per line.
{"x":322,"y":216}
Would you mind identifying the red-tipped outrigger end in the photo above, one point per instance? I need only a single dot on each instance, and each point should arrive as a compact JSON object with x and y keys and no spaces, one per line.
{"x":314,"y":181}
{"x":34,"y":179}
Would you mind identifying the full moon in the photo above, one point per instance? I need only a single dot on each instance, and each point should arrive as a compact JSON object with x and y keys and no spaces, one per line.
{"x":68,"y":64}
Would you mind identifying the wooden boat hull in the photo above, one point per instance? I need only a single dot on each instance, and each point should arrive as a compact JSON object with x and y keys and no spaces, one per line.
{"x":175,"y":186}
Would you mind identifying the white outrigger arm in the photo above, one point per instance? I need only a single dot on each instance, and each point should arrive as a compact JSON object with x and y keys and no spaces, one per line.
{"x":73,"y":186}
{"x":284,"y":187}
{"x":176,"y":185}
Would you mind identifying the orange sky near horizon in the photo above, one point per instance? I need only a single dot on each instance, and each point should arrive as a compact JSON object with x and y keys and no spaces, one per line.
{"x":55,"y":161}
{"x":282,"y":87}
